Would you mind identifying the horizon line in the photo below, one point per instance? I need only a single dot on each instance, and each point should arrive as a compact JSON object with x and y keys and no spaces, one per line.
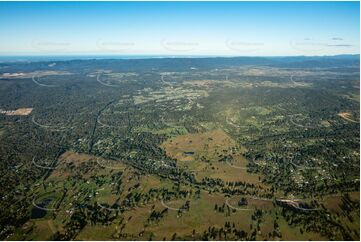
{"x":167,"y":55}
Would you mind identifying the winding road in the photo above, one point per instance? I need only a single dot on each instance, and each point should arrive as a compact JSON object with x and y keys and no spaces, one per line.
{"x":58,"y":129}
{"x":171,"y":208}
{"x":40,"y":84}
{"x":43,"y":167}
{"x":105,"y":84}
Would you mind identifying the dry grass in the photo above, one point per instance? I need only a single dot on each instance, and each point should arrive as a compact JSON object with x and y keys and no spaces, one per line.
{"x":347,"y":116}
{"x":18,"y":112}
{"x":79,"y":159}
{"x":201,"y":153}
{"x":209,"y":143}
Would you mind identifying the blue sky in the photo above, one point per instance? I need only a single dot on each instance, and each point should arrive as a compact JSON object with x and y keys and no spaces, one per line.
{"x":180,"y":28}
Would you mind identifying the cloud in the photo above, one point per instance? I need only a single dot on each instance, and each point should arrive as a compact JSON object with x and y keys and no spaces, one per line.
{"x":336,"y":38}
{"x":340,"y":45}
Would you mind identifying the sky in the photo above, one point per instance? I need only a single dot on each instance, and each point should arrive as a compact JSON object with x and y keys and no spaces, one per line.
{"x":180,"y":28}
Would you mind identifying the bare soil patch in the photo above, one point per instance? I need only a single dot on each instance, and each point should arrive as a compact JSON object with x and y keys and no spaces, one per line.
{"x":347,"y":116}
{"x":18,"y":112}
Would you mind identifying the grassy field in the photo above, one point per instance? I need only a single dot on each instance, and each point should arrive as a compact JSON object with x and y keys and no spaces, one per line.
{"x":210,"y":154}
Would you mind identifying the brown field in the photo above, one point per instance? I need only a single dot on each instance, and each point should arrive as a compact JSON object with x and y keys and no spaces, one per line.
{"x":347,"y":116}
{"x":260,"y":204}
{"x":333,"y":203}
{"x":201,"y":153}
{"x":208,"y":144}
{"x":18,"y":112}
{"x":77,"y":160}
{"x":73,"y":157}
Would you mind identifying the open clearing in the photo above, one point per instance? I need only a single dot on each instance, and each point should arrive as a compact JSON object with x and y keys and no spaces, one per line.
{"x":210,"y":154}
{"x":17,"y":112}
{"x":71,"y":163}
{"x":347,"y":116}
